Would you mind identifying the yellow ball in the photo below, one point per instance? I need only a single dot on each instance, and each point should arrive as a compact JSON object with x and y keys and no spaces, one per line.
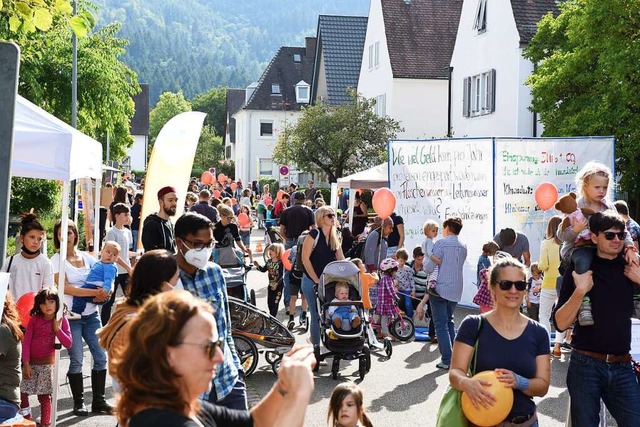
{"x":495,"y":414}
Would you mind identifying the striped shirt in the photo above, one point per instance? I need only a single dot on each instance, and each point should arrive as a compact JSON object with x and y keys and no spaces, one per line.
{"x":453,"y":254}
{"x":209,"y":285}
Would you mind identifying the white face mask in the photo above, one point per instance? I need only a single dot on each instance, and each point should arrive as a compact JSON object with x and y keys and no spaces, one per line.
{"x":197,"y":258}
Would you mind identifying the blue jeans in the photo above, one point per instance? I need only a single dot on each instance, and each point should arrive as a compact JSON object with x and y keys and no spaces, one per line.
{"x":237,"y":397}
{"x":442,"y":311}
{"x":8,"y":410}
{"x":309,"y":291}
{"x":408,"y":303}
{"x":85,"y":328}
{"x":288,"y":244}
{"x":581,"y":258}
{"x":589,"y":380}
{"x":246,"y":239}
{"x":134,"y":244}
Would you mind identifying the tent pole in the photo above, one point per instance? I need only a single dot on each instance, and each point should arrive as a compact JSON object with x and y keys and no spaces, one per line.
{"x":352,"y":201}
{"x":334,"y":195}
{"x":96,"y":219}
{"x":61,"y":281}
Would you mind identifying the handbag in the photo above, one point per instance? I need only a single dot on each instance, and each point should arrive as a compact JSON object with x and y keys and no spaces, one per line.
{"x":450,"y":411}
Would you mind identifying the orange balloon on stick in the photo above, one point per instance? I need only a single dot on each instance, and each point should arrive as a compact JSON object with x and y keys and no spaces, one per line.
{"x":243,"y":220}
{"x":546,"y":195}
{"x":206,"y":178}
{"x":24,"y":306}
{"x":495,"y":414}
{"x":384,"y":202}
{"x":216,"y":194}
{"x":234,"y":201}
{"x":233,"y":186}
{"x":285,"y":260}
{"x":221,"y":178}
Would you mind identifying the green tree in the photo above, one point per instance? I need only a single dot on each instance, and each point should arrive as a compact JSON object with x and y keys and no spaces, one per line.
{"x":169,"y":105}
{"x":28,"y":16}
{"x":214,"y":103}
{"x":587,"y":79}
{"x":337,"y":140}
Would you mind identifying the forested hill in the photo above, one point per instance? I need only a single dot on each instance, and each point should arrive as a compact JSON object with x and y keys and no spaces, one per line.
{"x":194,"y":45}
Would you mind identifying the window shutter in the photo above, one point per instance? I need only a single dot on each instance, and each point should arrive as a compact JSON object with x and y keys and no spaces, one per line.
{"x":491,"y":91}
{"x":466,"y":97}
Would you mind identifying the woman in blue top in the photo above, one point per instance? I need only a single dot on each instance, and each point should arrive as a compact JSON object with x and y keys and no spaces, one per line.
{"x":516,"y":347}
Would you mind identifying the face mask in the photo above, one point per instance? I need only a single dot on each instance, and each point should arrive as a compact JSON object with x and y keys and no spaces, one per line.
{"x":196,"y":258}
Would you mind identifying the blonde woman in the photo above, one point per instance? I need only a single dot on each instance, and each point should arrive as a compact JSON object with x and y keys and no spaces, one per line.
{"x":320,"y":247}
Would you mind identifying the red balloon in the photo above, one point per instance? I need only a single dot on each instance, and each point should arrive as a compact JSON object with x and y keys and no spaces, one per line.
{"x":234,"y":201}
{"x":280,"y":195}
{"x":546,"y":195}
{"x":285,"y":260}
{"x":221,"y":178}
{"x":24,"y":306}
{"x":243,"y":220}
{"x":216,"y":194}
{"x":233,"y":186}
{"x":384,"y":202}
{"x":206,"y":178}
{"x":268,"y":200}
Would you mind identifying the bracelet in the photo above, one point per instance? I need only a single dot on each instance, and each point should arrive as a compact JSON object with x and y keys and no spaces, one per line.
{"x":522,"y":383}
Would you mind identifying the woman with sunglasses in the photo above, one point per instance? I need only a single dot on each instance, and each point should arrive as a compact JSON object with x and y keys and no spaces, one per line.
{"x":226,"y":231}
{"x":172,"y":356}
{"x":516,"y":347}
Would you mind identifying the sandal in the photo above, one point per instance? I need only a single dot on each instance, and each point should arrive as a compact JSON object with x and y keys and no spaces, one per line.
{"x":557,"y":352}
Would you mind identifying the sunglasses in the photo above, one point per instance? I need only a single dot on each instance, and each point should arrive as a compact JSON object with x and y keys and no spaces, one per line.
{"x":505,"y":285}
{"x":330,"y":215}
{"x":209,"y":348}
{"x":609,"y":235}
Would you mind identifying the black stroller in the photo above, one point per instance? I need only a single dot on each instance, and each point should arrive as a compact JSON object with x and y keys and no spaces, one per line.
{"x":255,"y":331}
{"x":347,"y":345}
{"x":234,"y":271}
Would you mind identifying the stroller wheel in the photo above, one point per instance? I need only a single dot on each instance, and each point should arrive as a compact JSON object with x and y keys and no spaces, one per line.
{"x":335,"y":367}
{"x":388,"y":348}
{"x":403,"y":328}
{"x":276,"y":365}
{"x":367,"y":357}
{"x":272,"y":357}
{"x":252,"y":297}
{"x":247,"y":352}
{"x":362,"y":367}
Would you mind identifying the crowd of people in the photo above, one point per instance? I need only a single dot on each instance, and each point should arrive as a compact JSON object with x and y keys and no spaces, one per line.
{"x":168,"y":347}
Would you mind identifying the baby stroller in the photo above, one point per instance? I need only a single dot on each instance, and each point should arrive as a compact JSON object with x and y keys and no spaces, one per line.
{"x":348,"y":345}
{"x":255,"y":331}
{"x":234,"y":271}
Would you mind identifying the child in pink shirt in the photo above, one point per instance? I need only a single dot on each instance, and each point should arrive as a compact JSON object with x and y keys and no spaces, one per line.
{"x":38,"y":352}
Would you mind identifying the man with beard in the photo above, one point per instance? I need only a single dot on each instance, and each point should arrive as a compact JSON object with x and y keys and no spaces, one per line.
{"x":157,"y":232}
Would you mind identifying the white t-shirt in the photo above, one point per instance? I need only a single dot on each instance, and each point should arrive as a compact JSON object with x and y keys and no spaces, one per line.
{"x":28,"y":275}
{"x":124,"y":238}
{"x":76,"y":277}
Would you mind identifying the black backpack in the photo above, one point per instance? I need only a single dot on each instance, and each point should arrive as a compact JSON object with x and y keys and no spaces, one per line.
{"x":297,"y":265}
{"x":356,"y":250}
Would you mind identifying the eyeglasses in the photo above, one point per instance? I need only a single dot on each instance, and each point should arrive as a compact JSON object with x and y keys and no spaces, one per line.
{"x":230,"y":218}
{"x":609,"y":235}
{"x":505,"y":285}
{"x":198,"y":246}
{"x":330,"y":215}
{"x":209,"y":348}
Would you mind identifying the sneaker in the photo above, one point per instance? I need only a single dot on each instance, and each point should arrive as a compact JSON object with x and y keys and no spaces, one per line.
{"x":291,"y":325}
{"x":303,"y":317}
{"x":585,"y":318}
{"x":442,"y":366}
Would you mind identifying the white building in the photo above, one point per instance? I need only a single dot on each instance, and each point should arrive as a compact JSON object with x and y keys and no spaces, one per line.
{"x":488,"y":92}
{"x":139,"y":128}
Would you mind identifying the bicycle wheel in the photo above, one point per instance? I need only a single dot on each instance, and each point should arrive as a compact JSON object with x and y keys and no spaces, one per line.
{"x":247,"y":352}
{"x":403,"y":328}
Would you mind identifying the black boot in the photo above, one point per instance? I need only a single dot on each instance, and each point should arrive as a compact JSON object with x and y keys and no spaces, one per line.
{"x":77,"y":390}
{"x":99,"y":404}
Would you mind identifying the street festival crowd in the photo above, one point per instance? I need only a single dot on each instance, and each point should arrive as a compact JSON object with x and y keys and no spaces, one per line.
{"x":167,"y":344}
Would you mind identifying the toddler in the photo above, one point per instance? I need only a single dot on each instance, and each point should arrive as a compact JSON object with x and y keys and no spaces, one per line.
{"x":38,"y":352}
{"x":275,"y":269}
{"x":385,"y":306}
{"x":404,"y":277}
{"x":343,"y":317}
{"x":102,"y":275}
{"x":489,"y":249}
{"x":430,"y":230}
{"x":533,"y":294}
{"x":346,"y":408}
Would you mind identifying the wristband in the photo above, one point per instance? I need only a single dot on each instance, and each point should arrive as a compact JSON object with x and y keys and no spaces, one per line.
{"x":522,"y":383}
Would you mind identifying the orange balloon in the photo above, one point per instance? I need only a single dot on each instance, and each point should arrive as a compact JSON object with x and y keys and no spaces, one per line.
{"x":216,"y":194}
{"x":546,"y":195}
{"x":24,"y":306}
{"x":234,"y":201}
{"x":285,"y":260}
{"x":495,"y":414}
{"x":233,"y":186}
{"x":280,"y":194}
{"x":268,"y":200}
{"x":221,"y":178}
{"x":206,"y":178}
{"x":243,"y":220}
{"x":384,"y":202}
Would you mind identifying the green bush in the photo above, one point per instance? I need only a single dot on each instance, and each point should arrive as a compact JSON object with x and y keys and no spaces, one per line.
{"x":43,"y":196}
{"x":274,"y":185}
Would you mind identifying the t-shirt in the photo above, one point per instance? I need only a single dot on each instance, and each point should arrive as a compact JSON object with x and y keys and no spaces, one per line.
{"x":534,"y":296}
{"x":209,"y":415}
{"x":136,"y":210}
{"x":102,"y":275}
{"x":634,"y":229}
{"x":28,"y":275}
{"x":404,"y":276}
{"x":520,"y":246}
{"x":420,"y":278}
{"x":10,"y":372}
{"x":518,"y":355}
{"x":296,"y":219}
{"x":322,"y":254}
{"x":225,"y":235}
{"x":427,"y":246}
{"x":76,"y":277}
{"x":124,"y":238}
{"x":393,"y":239}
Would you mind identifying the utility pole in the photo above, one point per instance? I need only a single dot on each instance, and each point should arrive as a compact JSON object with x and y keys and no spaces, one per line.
{"x":74,"y":104}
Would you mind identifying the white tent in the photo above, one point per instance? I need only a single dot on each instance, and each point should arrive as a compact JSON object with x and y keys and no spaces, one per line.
{"x":45,"y":147}
{"x":372,"y":178}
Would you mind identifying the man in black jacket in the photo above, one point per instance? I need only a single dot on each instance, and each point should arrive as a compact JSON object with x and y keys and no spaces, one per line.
{"x":157,"y":231}
{"x":204,"y":208}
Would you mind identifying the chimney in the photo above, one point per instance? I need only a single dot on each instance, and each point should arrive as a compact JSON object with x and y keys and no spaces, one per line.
{"x":310,"y":45}
{"x":250,"y":89}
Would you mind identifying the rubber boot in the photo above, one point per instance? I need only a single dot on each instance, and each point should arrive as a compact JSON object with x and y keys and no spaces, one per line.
{"x":77,"y":390}
{"x":99,"y":404}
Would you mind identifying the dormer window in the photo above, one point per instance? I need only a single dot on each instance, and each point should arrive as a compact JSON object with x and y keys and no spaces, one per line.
{"x":275,"y":89}
{"x":302,"y":92}
{"x":297,"y":57}
{"x":480,"y":23}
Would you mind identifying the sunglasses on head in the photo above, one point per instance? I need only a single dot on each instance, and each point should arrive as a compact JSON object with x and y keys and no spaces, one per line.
{"x":505,"y":285}
{"x":209,"y":348}
{"x":330,"y":215}
{"x":609,"y":235}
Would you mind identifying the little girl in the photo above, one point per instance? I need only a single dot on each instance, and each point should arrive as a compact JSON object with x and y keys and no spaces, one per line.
{"x":38,"y":352}
{"x":386,"y":295}
{"x":245,"y":230}
{"x":276,"y":271}
{"x":346,"y":407}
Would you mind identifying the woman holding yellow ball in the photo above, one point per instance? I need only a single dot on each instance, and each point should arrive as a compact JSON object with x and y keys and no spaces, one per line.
{"x":509,"y":343}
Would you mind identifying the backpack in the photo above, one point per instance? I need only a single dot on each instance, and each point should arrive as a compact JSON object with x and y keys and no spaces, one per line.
{"x":356,"y":250}
{"x":298,"y":264}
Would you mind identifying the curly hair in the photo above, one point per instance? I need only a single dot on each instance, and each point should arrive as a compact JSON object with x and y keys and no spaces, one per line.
{"x":147,"y":379}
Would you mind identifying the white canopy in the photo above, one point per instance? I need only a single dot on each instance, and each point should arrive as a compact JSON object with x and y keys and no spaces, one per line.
{"x":375,"y":177}
{"x":46,"y":147}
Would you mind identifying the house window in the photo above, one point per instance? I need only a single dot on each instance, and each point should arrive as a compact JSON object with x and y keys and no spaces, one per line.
{"x":227,"y":152}
{"x":381,"y":105}
{"x":266,"y":167}
{"x":275,"y":89}
{"x":479,"y":94}
{"x":297,"y":57}
{"x":480,"y":23}
{"x":371,"y":57}
{"x":302,"y":92}
{"x":376,"y":54}
{"x":266,"y":128}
